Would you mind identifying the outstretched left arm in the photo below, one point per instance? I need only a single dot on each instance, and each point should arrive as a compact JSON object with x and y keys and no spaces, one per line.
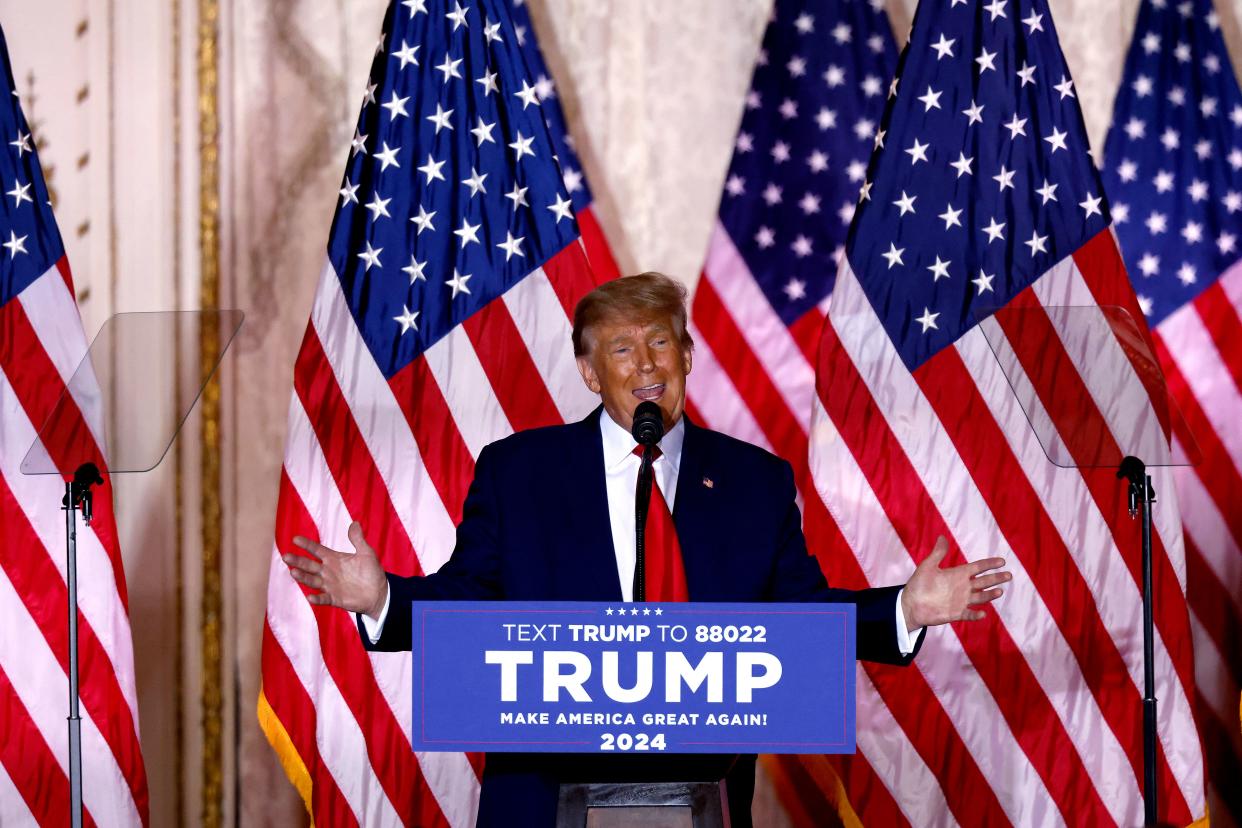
{"x":936,"y":595}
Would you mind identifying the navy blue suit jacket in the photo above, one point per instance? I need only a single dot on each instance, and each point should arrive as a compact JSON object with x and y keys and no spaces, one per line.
{"x":535,"y":527}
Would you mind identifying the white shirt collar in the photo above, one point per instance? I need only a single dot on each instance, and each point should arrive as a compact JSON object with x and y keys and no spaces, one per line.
{"x":619,"y":444}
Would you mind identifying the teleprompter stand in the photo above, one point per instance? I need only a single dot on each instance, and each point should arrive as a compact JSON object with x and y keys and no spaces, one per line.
{"x":1094,"y":395}
{"x":78,"y":495}
{"x":1141,"y":498}
{"x":120,"y":412}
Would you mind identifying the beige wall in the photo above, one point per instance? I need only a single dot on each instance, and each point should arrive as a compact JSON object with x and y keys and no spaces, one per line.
{"x":653,"y":93}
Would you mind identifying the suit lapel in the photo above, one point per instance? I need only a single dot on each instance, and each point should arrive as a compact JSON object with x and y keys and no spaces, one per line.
{"x":693,"y":512}
{"x":590,"y":538}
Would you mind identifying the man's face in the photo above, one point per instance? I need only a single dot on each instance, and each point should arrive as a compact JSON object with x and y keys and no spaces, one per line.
{"x":633,"y":361}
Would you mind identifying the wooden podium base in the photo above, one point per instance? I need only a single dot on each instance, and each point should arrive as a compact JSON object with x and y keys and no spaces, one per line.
{"x":647,"y":804}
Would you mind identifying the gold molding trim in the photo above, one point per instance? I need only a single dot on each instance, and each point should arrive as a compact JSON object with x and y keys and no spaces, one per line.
{"x":211,"y":810}
{"x":179,"y":504}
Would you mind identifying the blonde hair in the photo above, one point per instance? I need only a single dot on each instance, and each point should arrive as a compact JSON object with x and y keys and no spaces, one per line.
{"x":641,"y":297}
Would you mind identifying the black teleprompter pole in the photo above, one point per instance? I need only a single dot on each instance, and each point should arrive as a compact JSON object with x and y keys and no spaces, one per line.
{"x":77,"y":496}
{"x":1141,"y":497}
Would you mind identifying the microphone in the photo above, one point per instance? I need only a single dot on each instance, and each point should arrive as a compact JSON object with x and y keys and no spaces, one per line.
{"x":647,"y":430}
{"x":648,"y":425}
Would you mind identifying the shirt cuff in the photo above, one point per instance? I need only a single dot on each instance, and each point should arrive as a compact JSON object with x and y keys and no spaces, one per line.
{"x":376,"y":628}
{"x":906,"y":641}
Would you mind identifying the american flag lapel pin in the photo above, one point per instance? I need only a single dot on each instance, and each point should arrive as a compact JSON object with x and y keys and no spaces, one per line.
{"x":709,"y":483}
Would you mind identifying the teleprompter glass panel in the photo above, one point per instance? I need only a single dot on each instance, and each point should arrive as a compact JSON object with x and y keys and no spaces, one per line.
{"x":131,"y":392}
{"x":1089,"y":384}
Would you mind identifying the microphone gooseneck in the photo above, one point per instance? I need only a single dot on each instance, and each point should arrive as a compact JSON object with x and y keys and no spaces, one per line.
{"x":647,"y":430}
{"x":648,"y":425}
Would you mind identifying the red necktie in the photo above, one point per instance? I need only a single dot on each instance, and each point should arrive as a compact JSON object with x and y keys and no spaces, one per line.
{"x":665,"y":577}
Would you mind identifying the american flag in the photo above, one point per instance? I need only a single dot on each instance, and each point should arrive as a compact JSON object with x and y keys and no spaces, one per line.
{"x":441,"y":324}
{"x":800,"y":156}
{"x":41,"y":344}
{"x":799,"y":159}
{"x":1174,"y":174}
{"x":982,"y":195}
{"x":599,"y":254}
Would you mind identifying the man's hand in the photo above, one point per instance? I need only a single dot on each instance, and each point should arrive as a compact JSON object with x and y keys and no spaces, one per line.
{"x":938,"y":596}
{"x":354,"y":582}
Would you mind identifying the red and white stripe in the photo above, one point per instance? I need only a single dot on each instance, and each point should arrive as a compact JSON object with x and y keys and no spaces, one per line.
{"x":749,"y":379}
{"x":1041,"y":702}
{"x":41,"y":344}
{"x":598,"y":252}
{"x":398,"y":455}
{"x":1200,"y":348}
{"x":753,"y":377}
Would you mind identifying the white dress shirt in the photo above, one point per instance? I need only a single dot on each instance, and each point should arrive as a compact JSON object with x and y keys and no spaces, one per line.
{"x":621,"y":478}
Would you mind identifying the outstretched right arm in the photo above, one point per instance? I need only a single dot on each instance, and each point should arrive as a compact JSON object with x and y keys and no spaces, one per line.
{"x":350,"y":581}
{"x":357,"y":582}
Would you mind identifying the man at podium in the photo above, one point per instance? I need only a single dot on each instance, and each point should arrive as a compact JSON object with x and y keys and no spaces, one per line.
{"x":550,"y":516}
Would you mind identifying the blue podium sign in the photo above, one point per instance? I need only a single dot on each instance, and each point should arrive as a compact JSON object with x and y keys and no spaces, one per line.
{"x":625,"y":678}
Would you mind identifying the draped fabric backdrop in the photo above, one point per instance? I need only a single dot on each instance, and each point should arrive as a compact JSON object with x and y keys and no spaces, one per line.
{"x":194,"y":148}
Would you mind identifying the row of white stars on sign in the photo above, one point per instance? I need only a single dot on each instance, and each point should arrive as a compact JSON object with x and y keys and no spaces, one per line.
{"x":634,"y":611}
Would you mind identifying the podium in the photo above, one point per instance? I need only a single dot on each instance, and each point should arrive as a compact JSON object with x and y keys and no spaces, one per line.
{"x":623,"y":710}
{"x":119,"y":413}
{"x":651,"y":804}
{"x":1093,"y":393}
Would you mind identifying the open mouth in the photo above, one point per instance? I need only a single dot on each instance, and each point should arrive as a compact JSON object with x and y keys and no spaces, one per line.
{"x":649,"y":392}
